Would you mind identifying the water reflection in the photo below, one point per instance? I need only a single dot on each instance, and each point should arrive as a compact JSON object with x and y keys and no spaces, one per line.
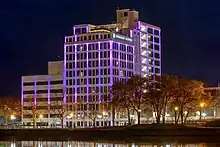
{"x":96,"y":144}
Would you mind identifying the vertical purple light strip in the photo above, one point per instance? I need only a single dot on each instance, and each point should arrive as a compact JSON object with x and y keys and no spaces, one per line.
{"x":139,"y":25}
{"x":87,"y":73}
{"x":119,"y":63}
{"x":147,"y":52}
{"x":134,"y":65}
{"x":35,"y":90}
{"x":48,"y":88}
{"x":126,"y":62}
{"x":75,"y":83}
{"x":22,"y":90}
{"x":131,"y":33}
{"x":99,"y":50}
{"x":160,"y":50}
{"x":140,"y":51}
{"x":64,"y":76}
{"x":111,"y":63}
{"x":74,"y":30}
{"x":87,"y":28}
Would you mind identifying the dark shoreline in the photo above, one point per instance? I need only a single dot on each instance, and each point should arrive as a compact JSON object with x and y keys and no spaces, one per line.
{"x":141,"y":133}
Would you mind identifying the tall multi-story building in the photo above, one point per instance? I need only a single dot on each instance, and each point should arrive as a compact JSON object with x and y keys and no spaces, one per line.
{"x":41,"y":95}
{"x":97,"y":56}
{"x":94,"y":59}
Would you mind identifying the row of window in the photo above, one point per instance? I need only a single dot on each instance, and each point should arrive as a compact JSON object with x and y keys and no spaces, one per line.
{"x":103,"y":63}
{"x":52,"y":107}
{"x":42,"y":83}
{"x":101,"y":72}
{"x":150,"y":31}
{"x":88,"y":37}
{"x":43,"y":91}
{"x":153,"y":31}
{"x":154,"y":39}
{"x":95,"y":46}
{"x":153,"y":47}
{"x":154,"y":70}
{"x":43,"y":99}
{"x":97,"y":54}
{"x":44,"y":115}
{"x":92,"y":98}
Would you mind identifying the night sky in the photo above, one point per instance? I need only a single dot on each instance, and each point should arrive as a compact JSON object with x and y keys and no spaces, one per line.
{"x":32,"y":33}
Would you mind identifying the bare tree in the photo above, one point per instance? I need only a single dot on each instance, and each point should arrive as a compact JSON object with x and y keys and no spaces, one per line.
{"x":59,"y":108}
{"x":31,"y":105}
{"x":137,"y":88}
{"x":10,"y":106}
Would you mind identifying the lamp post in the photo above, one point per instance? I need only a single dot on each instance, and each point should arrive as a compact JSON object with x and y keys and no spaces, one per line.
{"x":175,"y":111}
{"x":69,"y":117}
{"x":202,"y":105}
{"x":13,"y":118}
{"x":41,"y":119}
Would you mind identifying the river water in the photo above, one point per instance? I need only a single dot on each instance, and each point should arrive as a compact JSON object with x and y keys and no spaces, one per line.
{"x":100,"y":144}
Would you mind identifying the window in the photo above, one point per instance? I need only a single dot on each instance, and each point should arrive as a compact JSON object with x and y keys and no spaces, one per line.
{"x":157,"y":63}
{"x":156,"y":55}
{"x":83,"y":30}
{"x":28,"y":84}
{"x":150,"y":30}
{"x":157,"y":70}
{"x":156,"y":40}
{"x":89,"y":37}
{"x":77,"y":31}
{"x":156,"y":47}
{"x":156,"y":32}
{"x":125,"y":13}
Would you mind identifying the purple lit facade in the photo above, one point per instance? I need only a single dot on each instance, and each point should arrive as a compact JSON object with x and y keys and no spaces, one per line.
{"x":147,"y":41}
{"x":94,"y":61}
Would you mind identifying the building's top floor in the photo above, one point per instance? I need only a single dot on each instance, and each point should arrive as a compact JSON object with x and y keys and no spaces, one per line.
{"x":42,"y":78}
{"x":101,"y":34}
{"x":55,"y":72}
{"x":55,"y":67}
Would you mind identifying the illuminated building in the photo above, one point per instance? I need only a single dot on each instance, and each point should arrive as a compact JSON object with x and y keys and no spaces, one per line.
{"x":97,"y":56}
{"x":94,"y":60}
{"x":39,"y":92}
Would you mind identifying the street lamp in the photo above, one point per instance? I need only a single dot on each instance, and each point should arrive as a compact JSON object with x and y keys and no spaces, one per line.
{"x":175,"y":111}
{"x":13,"y":118}
{"x":176,"y":108}
{"x":41,"y":116}
{"x":202,"y":105}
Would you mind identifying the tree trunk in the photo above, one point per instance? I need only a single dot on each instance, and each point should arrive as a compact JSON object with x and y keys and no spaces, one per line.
{"x":186,"y":117}
{"x":175,"y":115}
{"x":181,"y":115}
{"x":129,"y":118}
{"x":113,"y":116}
{"x":158,"y":118}
{"x":139,"y":117}
{"x":61,"y":122}
{"x":6,"y":122}
{"x":164,"y":116}
{"x":34,"y":120}
{"x":93,"y":122}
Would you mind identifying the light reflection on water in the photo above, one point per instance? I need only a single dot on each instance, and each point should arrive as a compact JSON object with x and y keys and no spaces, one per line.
{"x":97,"y":144}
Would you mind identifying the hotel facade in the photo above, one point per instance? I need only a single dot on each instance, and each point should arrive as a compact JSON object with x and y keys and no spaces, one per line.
{"x":95,"y":57}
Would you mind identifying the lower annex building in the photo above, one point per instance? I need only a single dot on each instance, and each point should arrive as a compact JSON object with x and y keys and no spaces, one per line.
{"x":42,"y":96}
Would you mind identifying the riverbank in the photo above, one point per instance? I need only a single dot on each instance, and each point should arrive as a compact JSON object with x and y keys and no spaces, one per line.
{"x":135,"y":133}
